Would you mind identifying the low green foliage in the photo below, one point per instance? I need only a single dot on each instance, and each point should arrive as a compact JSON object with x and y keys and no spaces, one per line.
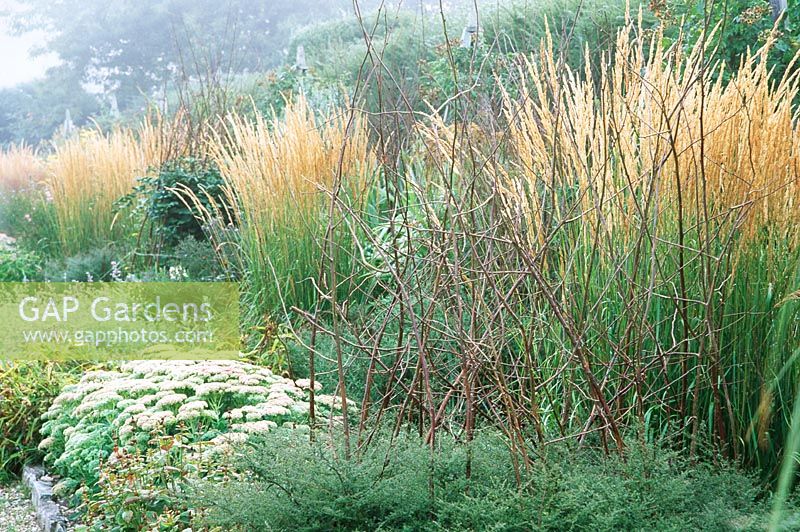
{"x":270,"y":348}
{"x":26,"y":391}
{"x":292,"y":484}
{"x":19,"y":265}
{"x":325,"y":366}
{"x":99,"y":264}
{"x":199,"y":260}
{"x":140,"y":490}
{"x":30,"y":217}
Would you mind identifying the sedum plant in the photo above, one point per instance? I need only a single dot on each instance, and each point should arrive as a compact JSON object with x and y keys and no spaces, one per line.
{"x":207,"y":405}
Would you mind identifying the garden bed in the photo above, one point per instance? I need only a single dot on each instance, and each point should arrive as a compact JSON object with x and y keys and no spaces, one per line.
{"x":541,"y":277}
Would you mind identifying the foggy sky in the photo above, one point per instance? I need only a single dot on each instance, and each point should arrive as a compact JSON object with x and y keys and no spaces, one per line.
{"x":16,"y":65}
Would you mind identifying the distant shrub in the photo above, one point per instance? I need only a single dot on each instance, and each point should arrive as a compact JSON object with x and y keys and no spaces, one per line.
{"x":272,"y":91}
{"x":520,"y":26}
{"x":198,"y":259}
{"x":743,"y":25}
{"x":170,"y":217}
{"x":335,"y":51}
{"x":335,"y":48}
{"x":100,"y":264}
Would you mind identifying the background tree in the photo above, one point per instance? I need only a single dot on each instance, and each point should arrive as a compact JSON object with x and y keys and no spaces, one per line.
{"x":741,"y":25}
{"x":31,"y":112}
{"x":130,"y":48}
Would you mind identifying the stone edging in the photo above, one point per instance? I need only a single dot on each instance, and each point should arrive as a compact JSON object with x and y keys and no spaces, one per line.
{"x":48,"y":514}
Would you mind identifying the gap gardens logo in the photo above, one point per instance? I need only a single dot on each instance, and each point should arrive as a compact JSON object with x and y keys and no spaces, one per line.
{"x":119,"y":320}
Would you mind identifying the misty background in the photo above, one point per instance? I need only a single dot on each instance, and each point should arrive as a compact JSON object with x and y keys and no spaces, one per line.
{"x":106,"y":63}
{"x":104,"y":60}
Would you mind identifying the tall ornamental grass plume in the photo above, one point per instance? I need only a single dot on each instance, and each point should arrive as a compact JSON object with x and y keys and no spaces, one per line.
{"x":91,"y":171}
{"x":657,"y":122}
{"x":656,"y":210}
{"x":279,"y":173}
{"x":20,"y":169}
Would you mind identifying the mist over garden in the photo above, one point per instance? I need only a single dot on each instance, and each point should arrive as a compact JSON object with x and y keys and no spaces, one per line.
{"x":498,"y":265}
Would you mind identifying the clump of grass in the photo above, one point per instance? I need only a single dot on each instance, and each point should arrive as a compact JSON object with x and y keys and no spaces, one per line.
{"x":20,"y":169}
{"x":278,"y":173}
{"x":712,"y":149}
{"x":659,"y":204}
{"x":90,"y":172}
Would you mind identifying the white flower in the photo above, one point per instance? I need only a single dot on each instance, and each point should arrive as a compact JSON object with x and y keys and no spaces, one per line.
{"x":334,"y":402}
{"x":140,"y":386}
{"x":96,"y":400}
{"x":116,"y":274}
{"x":249,"y":390}
{"x":150,"y":420}
{"x":305,"y":384}
{"x":254,"y":427}
{"x":143,"y":397}
{"x":67,"y":397}
{"x":100,"y":375}
{"x":210,"y":388}
{"x":186,"y":415}
{"x":279,"y":399}
{"x":286,"y":386}
{"x":136,"y":408}
{"x":125,"y":403}
{"x":230,"y":437}
{"x":125,"y":431}
{"x":300,"y":408}
{"x":234,"y":415}
{"x":250,"y":380}
{"x":274,"y":410}
{"x":177,"y":273}
{"x":193,"y":405}
{"x":170,"y":399}
{"x":174,"y":385}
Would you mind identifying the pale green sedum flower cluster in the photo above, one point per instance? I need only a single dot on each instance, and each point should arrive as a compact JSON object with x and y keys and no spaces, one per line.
{"x":211,"y":403}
